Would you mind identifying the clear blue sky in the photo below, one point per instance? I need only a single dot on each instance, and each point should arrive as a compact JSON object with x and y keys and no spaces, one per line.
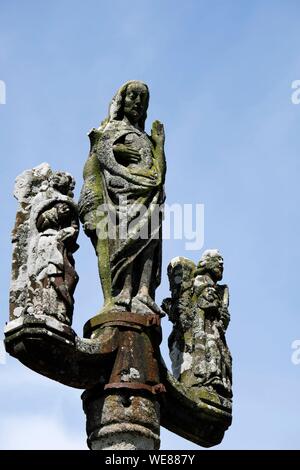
{"x":220,"y":77}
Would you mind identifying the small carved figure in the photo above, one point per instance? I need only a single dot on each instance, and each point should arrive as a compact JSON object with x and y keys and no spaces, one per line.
{"x":45,"y":268}
{"x":199,"y":310}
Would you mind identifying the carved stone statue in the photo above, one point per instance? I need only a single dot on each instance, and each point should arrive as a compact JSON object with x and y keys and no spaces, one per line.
{"x":199,"y":310}
{"x":121,"y":201}
{"x":44,"y":238}
{"x":129,"y":392}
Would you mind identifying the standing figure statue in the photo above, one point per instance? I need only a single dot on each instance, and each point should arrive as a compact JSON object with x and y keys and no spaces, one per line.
{"x":129,"y":393}
{"x":121,"y":202}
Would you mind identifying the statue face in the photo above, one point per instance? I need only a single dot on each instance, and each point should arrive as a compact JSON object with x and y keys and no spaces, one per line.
{"x":62,"y":182}
{"x":214,"y":265}
{"x":135,"y":102}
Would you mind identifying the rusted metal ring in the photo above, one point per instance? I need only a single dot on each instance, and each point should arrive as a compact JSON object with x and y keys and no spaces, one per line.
{"x":116,"y":318}
{"x":154,"y":389}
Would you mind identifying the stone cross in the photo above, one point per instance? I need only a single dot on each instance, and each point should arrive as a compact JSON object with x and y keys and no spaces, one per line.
{"x":129,"y":392}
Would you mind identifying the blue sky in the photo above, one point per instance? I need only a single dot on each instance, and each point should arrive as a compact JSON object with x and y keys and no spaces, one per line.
{"x":220,"y":76}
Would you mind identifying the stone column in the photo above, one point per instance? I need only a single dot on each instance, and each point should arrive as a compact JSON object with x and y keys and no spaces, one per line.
{"x":121,"y":420}
{"x":124,"y":412}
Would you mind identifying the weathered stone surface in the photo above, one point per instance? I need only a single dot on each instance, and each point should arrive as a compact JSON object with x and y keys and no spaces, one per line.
{"x":199,"y":310}
{"x":44,"y":239}
{"x":53,"y":349}
{"x":125,"y":437}
{"x":194,"y":413}
{"x":198,"y":403}
{"x":122,"y":421}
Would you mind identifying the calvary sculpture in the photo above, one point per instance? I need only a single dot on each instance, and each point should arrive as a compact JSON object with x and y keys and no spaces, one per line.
{"x":129,"y":392}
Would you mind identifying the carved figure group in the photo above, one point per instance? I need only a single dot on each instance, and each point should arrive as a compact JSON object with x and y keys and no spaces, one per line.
{"x":198,"y":309}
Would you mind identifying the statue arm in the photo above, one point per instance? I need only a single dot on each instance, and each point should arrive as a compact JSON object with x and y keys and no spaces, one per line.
{"x":126,"y":154}
{"x":105,"y":154}
{"x":91,"y":194}
{"x":224,"y":312}
{"x":158,"y":138}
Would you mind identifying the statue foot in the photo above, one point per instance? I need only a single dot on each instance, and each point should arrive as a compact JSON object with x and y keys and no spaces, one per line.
{"x":144,"y":304}
{"x":122,"y":300}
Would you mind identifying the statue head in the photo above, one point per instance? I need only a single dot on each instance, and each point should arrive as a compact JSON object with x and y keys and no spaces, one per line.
{"x":211,"y":263}
{"x":180,"y":274}
{"x":131,"y":100}
{"x":63,"y":182}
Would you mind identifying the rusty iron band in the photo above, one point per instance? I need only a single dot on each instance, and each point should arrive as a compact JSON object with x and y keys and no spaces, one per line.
{"x":121,"y":319}
{"x":154,"y":389}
